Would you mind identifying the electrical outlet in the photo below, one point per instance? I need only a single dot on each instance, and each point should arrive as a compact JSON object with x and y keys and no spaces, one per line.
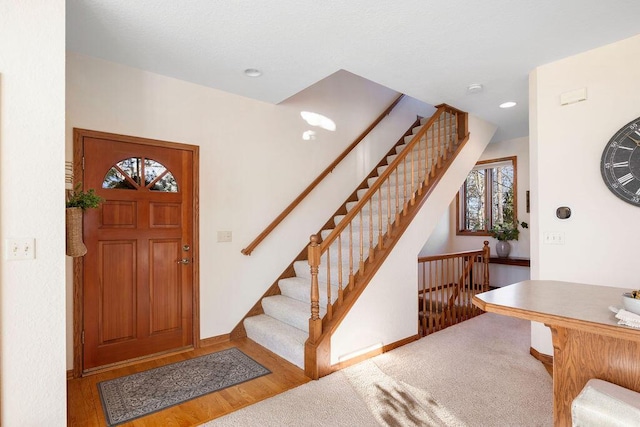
{"x":224,"y":236}
{"x":20,"y":249}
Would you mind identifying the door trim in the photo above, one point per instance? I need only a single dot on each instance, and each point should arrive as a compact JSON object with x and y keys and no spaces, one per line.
{"x":78,"y":269}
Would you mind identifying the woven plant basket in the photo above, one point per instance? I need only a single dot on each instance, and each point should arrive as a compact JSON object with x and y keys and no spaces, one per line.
{"x":75,"y":246}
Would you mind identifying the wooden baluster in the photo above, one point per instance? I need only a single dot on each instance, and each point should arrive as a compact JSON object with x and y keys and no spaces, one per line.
{"x":361,"y":230}
{"x":435,"y":299}
{"x":449,"y":132}
{"x":476,"y":275}
{"x":329,"y":305}
{"x":405,"y":204}
{"x":467,"y":287}
{"x":433,"y":151}
{"x":315,"y":322}
{"x":456,"y":273}
{"x":413,"y":182}
{"x":389,"y":216}
{"x":340,"y":290}
{"x":454,"y":281}
{"x":421,"y":299}
{"x":443,"y":301}
{"x":452,"y":132}
{"x":426,"y":157}
{"x":351,"y":275}
{"x":397,"y":200}
{"x":439,"y":142}
{"x":371,"y":247}
{"x":380,"y":215}
{"x":464,"y":264}
{"x":419,"y":166}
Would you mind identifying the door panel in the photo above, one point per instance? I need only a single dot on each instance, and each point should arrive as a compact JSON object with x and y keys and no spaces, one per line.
{"x":165,"y":292}
{"x":137,"y":295}
{"x":117,"y":297}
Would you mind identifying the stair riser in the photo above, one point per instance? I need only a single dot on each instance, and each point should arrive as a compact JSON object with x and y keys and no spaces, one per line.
{"x":287,"y":346}
{"x":290,"y":311}
{"x":302,"y":291}
{"x":303,"y":271}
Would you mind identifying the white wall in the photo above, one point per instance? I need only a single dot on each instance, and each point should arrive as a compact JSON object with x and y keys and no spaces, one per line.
{"x":253,"y":163}
{"x":387,"y":311}
{"x":32,"y":298}
{"x":445,"y":240}
{"x":566,"y":145}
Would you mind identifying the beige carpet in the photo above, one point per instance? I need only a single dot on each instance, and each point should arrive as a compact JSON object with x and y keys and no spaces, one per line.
{"x":478,"y":373}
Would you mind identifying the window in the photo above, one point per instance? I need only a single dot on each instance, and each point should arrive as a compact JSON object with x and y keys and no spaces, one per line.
{"x":127,"y":174}
{"x":487,"y":197}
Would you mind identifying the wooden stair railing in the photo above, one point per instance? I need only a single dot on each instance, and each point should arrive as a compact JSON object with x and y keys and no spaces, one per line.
{"x":239,"y":331}
{"x":447,"y":284}
{"x":397,"y":195}
{"x":318,"y":180}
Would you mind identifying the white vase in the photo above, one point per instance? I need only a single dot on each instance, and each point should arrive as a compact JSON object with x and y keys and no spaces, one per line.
{"x":503,"y":247}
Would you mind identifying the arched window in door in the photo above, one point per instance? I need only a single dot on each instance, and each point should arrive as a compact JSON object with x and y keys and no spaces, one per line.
{"x":127,"y":173}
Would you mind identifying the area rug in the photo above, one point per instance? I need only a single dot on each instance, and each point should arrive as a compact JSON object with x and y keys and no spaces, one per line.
{"x":126,"y":398}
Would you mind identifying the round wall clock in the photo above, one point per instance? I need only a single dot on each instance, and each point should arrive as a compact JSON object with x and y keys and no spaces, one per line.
{"x":620,"y":165}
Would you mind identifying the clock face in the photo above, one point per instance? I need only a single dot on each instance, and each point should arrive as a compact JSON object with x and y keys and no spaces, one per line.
{"x":620,"y":165}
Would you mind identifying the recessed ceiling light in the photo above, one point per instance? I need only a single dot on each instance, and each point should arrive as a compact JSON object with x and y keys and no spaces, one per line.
{"x":474,"y":88}
{"x":508,"y":104}
{"x":252,"y":72}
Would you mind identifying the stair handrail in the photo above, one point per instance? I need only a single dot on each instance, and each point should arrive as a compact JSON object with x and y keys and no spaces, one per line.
{"x":323,"y":174}
{"x":382,"y":178}
{"x":316,"y":249}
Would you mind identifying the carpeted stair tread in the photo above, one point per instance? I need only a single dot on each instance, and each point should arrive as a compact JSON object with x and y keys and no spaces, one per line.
{"x":288,"y":310}
{"x":282,"y":339}
{"x":299,"y":288}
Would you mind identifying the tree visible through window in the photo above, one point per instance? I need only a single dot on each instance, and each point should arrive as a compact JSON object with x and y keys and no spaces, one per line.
{"x":488,"y":196}
{"x":127,"y":173}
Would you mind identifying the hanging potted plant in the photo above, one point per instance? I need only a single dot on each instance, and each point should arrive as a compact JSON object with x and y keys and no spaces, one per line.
{"x":77,"y":202}
{"x":504,"y":232}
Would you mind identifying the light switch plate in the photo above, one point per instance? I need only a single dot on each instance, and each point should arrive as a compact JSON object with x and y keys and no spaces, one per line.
{"x":224,"y":236}
{"x":20,"y":249}
{"x":553,"y":238}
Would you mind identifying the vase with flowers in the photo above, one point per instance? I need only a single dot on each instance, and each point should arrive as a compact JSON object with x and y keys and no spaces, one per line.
{"x":503,"y":232}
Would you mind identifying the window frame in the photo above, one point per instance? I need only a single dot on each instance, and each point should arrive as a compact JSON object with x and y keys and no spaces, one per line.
{"x":460,"y":212}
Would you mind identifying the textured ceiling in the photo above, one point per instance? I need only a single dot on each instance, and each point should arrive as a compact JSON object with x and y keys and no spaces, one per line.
{"x":430,"y":50}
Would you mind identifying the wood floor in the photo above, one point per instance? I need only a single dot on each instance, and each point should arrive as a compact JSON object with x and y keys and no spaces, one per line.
{"x":84,"y":407}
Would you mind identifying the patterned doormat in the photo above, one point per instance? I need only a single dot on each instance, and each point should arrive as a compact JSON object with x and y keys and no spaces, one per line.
{"x":126,"y":398}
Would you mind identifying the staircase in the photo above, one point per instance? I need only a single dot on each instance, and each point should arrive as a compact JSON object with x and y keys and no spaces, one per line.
{"x":364,"y":225}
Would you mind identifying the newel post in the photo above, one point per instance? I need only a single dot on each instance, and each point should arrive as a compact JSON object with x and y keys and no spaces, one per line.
{"x":315,"y":322}
{"x":486,"y":253}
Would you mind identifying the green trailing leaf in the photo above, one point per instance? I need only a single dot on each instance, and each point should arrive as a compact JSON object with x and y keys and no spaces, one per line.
{"x":84,"y":200}
{"x":507,"y":231}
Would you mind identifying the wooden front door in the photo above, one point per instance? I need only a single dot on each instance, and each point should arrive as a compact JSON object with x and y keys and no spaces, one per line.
{"x":138,"y":273}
